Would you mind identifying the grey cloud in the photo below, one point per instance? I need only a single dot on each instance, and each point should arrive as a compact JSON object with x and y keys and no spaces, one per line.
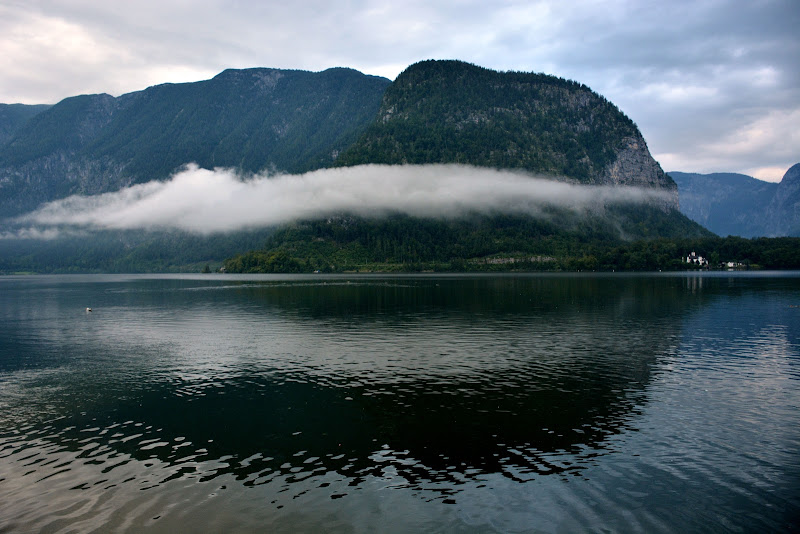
{"x":205,"y":201}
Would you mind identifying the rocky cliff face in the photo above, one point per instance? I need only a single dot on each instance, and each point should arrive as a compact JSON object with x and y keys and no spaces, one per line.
{"x":635,"y":166}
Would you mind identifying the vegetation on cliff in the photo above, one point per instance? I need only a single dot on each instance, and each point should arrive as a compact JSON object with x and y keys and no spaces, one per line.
{"x":455,"y":112}
{"x":14,"y":116}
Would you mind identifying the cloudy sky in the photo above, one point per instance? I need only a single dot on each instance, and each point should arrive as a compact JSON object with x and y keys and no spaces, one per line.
{"x":713,"y":84}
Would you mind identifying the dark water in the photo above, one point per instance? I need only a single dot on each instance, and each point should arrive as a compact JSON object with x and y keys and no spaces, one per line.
{"x":397,"y":404}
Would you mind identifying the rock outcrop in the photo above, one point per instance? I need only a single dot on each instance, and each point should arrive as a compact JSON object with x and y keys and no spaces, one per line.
{"x":634,"y":166}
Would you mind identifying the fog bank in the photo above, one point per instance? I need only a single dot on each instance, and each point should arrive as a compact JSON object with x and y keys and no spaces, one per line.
{"x":204,"y":201}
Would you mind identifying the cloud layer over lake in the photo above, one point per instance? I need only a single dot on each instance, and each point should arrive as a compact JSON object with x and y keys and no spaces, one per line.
{"x":205,"y":201}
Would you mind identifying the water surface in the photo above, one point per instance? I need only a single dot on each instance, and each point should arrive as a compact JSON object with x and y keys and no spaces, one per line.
{"x":654,"y":403}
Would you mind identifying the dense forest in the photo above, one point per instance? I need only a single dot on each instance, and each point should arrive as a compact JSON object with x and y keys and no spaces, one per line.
{"x":455,"y":112}
{"x":402,"y":242}
{"x":390,"y":245}
{"x":484,"y":246}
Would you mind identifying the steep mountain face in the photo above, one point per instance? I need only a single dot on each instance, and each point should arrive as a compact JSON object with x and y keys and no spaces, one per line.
{"x":252,"y":120}
{"x":445,"y":112}
{"x":784,"y":210}
{"x":736,"y":204}
{"x":454,"y":112}
{"x":13,"y":116}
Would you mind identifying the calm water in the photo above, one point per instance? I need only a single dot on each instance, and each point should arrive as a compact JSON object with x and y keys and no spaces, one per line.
{"x":395,"y":404}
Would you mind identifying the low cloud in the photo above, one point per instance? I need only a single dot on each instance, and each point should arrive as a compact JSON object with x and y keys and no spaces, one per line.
{"x":204,"y":201}
{"x":38,"y":234}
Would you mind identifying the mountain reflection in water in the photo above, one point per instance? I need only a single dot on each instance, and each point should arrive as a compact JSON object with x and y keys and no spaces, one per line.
{"x":322,"y":386}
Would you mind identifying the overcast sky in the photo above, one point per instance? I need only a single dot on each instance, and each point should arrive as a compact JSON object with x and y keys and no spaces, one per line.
{"x":714,"y":85}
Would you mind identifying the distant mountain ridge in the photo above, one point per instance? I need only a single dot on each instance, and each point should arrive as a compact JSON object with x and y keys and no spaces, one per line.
{"x":783,"y":213}
{"x":740,"y":205}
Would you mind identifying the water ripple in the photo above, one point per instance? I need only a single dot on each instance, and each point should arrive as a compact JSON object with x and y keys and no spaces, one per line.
{"x":512,"y":404}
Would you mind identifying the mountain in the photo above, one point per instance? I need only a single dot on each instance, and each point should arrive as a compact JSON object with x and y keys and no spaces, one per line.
{"x":252,"y":120}
{"x":725,"y":203}
{"x":12,"y":116}
{"x":783,"y":212}
{"x":740,"y":205}
{"x":437,"y":112}
{"x":455,"y":112}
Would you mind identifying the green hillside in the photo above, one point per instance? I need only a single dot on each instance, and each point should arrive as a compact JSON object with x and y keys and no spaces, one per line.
{"x":252,"y":120}
{"x":66,"y":127}
{"x":454,"y":112}
{"x":558,"y":240}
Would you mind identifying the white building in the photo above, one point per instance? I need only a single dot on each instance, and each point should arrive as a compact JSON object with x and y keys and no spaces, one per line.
{"x":694,"y":259}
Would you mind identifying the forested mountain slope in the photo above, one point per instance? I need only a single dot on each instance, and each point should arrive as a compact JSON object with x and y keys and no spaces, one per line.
{"x":251,"y":120}
{"x":455,"y":112}
{"x":13,"y":116}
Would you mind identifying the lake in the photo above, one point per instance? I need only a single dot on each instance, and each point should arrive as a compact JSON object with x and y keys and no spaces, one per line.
{"x":429,"y":403}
